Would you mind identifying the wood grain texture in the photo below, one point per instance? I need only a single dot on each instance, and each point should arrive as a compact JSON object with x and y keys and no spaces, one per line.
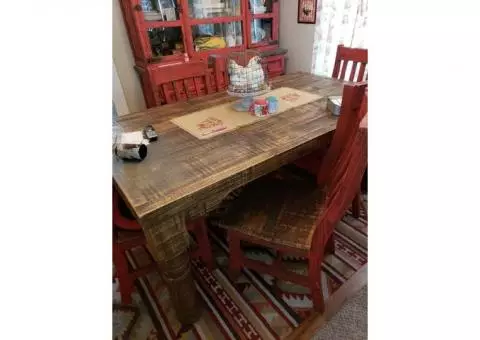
{"x":179,"y":165}
{"x":183,"y":177}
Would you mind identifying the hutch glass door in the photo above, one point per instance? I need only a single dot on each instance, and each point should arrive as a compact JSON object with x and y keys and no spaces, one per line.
{"x":261,"y":22}
{"x":161,"y":21}
{"x":216,"y":25}
{"x":202,"y":9}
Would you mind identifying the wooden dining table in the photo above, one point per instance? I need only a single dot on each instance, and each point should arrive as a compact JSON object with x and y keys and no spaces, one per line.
{"x":183,"y":178}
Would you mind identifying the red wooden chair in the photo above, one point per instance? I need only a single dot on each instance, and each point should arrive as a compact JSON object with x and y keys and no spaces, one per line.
{"x":296,"y":217}
{"x":357,"y":58}
{"x":127,"y":234}
{"x":178,"y":83}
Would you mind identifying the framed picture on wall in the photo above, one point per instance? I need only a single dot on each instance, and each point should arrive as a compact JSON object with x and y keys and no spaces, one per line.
{"x":307,"y":11}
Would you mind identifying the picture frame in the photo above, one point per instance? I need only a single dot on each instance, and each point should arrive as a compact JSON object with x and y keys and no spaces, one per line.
{"x":307,"y":11}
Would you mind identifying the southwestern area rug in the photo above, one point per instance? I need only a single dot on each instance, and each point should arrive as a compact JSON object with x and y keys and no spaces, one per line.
{"x":250,"y":307}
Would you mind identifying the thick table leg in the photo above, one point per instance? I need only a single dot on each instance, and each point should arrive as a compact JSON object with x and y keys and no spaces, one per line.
{"x":168,"y":242}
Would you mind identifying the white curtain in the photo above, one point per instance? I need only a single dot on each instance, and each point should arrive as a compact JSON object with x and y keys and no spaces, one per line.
{"x":338,"y":22}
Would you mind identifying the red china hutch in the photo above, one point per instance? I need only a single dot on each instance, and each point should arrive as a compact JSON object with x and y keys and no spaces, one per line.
{"x":180,"y":47}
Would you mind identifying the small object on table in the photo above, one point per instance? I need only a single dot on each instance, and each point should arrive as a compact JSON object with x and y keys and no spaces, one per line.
{"x":135,"y":137}
{"x":334,"y":104}
{"x":131,"y":146}
{"x":260,"y":107}
{"x":244,"y":105}
{"x":272,"y":104}
{"x":247,"y":78}
{"x":135,"y":152}
{"x":150,"y":133}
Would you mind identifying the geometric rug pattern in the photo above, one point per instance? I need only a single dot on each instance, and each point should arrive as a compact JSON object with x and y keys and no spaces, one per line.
{"x":251,"y":307}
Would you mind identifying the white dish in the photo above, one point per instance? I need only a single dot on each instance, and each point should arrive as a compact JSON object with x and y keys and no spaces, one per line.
{"x":259,"y":10}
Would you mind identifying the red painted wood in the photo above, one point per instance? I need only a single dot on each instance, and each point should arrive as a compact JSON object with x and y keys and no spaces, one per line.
{"x":178,"y":90}
{"x":350,"y":117}
{"x":354,"y":56}
{"x":342,"y":178}
{"x":209,"y":81}
{"x":352,"y":72}
{"x":219,"y":70}
{"x":275,"y":65}
{"x":196,"y":78}
{"x":361,"y":72}
{"x":313,"y":161}
{"x":236,"y":257}
{"x":136,"y":237}
{"x":159,"y":24}
{"x":356,"y":206}
{"x":214,"y":77}
{"x":276,"y":21}
{"x":344,"y":69}
{"x":262,"y":16}
{"x":330,"y":246}
{"x":151,"y":97}
{"x":139,"y":49}
{"x":178,"y":72}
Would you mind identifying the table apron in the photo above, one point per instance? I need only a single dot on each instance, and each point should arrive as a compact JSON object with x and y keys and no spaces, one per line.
{"x":208,"y":198}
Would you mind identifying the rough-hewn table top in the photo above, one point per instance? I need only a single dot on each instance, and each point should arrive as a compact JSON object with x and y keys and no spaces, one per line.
{"x":180,"y":169}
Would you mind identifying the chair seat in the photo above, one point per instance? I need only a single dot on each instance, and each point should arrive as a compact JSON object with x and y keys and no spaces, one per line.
{"x":280,"y":210}
{"x":120,"y":235}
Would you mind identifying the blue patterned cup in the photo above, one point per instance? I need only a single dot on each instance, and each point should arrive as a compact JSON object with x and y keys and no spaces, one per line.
{"x":272,"y":104}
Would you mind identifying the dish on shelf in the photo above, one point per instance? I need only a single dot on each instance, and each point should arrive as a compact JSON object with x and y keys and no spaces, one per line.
{"x":259,"y":10}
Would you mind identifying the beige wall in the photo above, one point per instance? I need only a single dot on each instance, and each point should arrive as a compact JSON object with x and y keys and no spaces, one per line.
{"x":297,"y":38}
{"x":118,"y":94}
{"x":123,"y":60}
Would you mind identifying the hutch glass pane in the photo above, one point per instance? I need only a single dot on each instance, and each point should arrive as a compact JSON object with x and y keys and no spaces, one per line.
{"x":159,"y":10}
{"x":213,"y":36}
{"x":166,"y":41}
{"x":200,"y":9}
{"x":260,"y":6}
{"x":261,"y":30}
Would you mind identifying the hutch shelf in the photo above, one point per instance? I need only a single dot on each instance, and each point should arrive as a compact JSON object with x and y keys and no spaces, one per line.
{"x":181,"y":46}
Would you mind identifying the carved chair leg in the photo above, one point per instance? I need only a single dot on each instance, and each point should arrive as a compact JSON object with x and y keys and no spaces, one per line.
{"x":278,"y":263}
{"x":204,"y":244}
{"x":236,"y":256}
{"x":314,"y":277}
{"x":330,"y":246}
{"x":124,"y":280}
{"x":364,"y":208}
{"x":356,"y":205}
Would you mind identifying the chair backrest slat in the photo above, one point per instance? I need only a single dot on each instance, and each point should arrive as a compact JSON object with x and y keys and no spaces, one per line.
{"x":175,"y":83}
{"x":361,"y":72}
{"x":344,"y":56}
{"x":352,"y":72}
{"x":343,"y":182}
{"x":344,"y":69}
{"x":347,"y":123}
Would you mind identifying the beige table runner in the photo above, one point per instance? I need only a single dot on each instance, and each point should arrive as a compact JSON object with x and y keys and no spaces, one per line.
{"x":223,"y":118}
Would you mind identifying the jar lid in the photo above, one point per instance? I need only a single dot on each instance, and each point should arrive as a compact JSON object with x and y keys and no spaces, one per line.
{"x":261,"y":101}
{"x":272,"y":99}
